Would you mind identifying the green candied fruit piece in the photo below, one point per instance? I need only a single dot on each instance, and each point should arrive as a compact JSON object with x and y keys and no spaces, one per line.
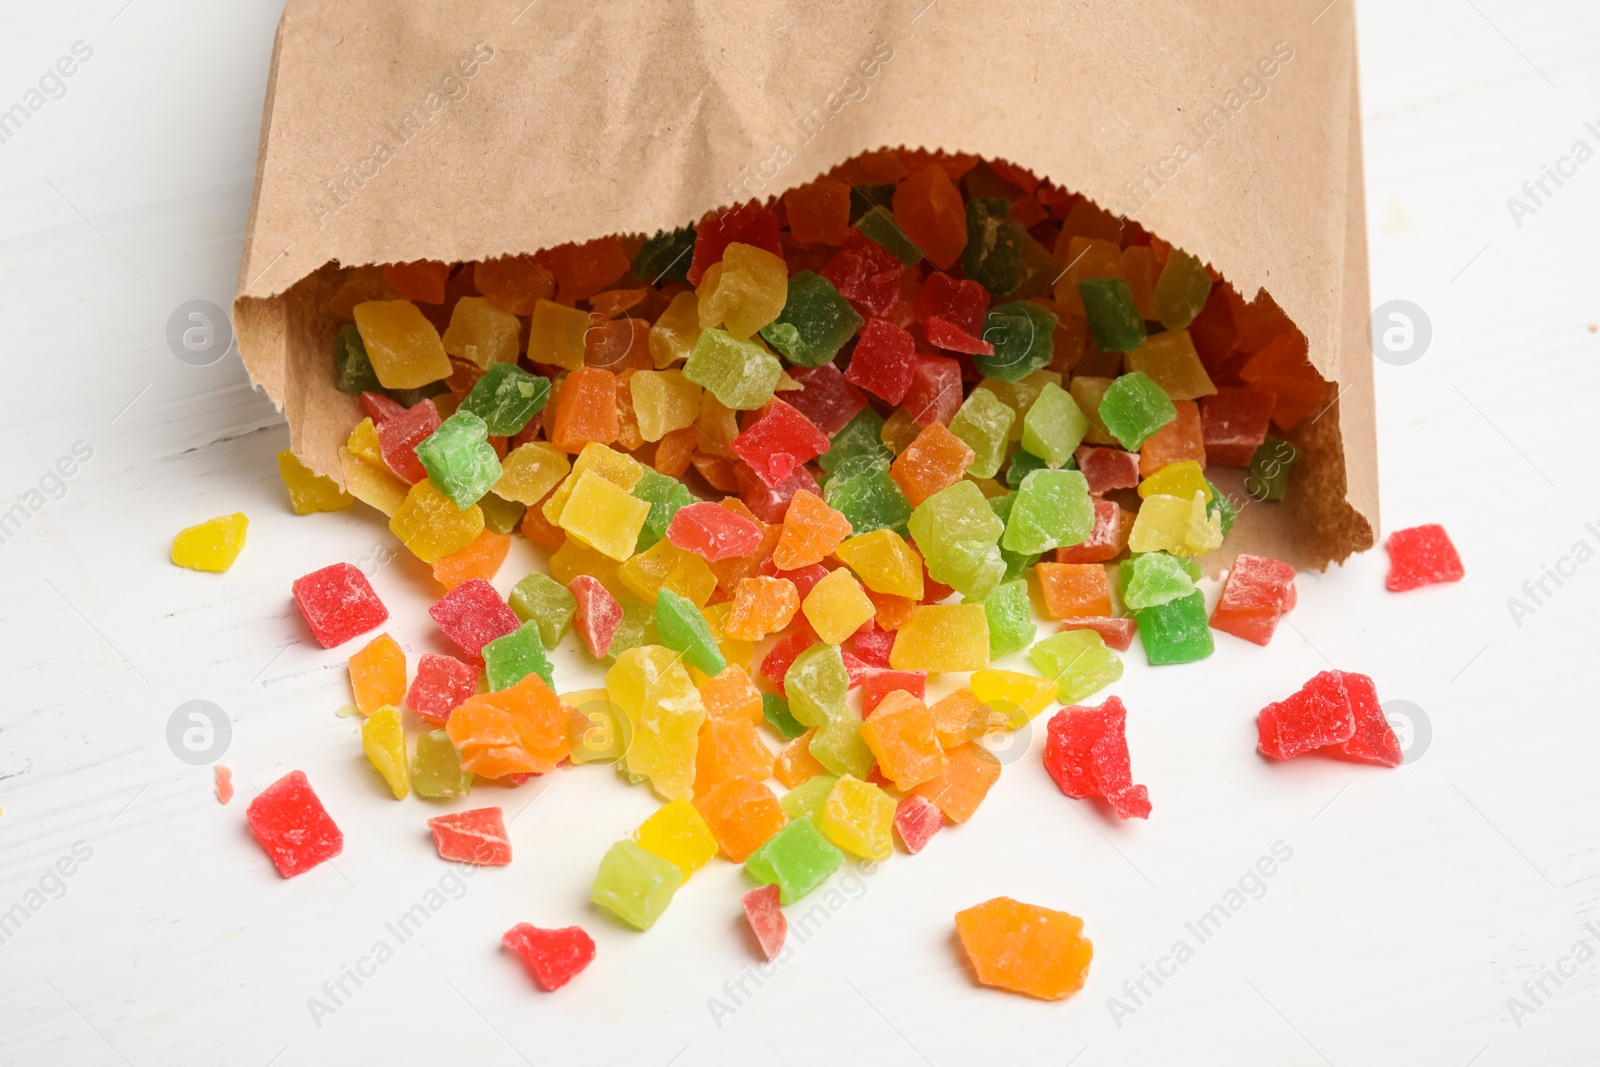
{"x":1052,"y":509}
{"x":1223,"y":508}
{"x":351,"y":366}
{"x":816,"y":684}
{"x":993,"y":256}
{"x":1021,"y":335}
{"x":1017,"y":563}
{"x":665,"y":496}
{"x":436,"y":768}
{"x":683,"y":629}
{"x":878,"y":224}
{"x":1113,"y":316}
{"x":638,"y":627}
{"x":1135,"y":407}
{"x":805,"y":800}
{"x":509,"y":659}
{"x":864,"y":493}
{"x":776,"y":711}
{"x":665,"y":257}
{"x":541,"y":599}
{"x":506,"y":397}
{"x":1154,"y":578}
{"x":1125,"y":570}
{"x":460,"y":461}
{"x":1054,"y":426}
{"x":500,"y":515}
{"x":984,"y":423}
{"x":815,"y":322}
{"x":863,"y":198}
{"x":797,"y":859}
{"x":1177,"y":631}
{"x":635,"y":885}
{"x":839,"y":746}
{"x":1010,"y":618}
{"x":1023,"y":463}
{"x":958,"y":534}
{"x":861,"y":436}
{"x":740,"y":374}
{"x":1181,"y":290}
{"x":1269,"y":469}
{"x":1079,"y":660}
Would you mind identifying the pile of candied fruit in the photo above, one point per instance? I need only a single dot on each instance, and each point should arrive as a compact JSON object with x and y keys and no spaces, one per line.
{"x":858,"y":437}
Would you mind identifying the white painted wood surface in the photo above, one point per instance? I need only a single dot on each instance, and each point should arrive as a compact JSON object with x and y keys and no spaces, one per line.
{"x":1416,"y":901}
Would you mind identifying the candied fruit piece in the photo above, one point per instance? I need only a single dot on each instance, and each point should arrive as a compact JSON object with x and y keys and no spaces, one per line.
{"x":1025,"y":948}
{"x":404,"y":347}
{"x":509,"y":659}
{"x":677,"y":833}
{"x":635,"y":885}
{"x":837,"y":607}
{"x":431,"y":526}
{"x":1079,"y":661}
{"x":597,"y":613}
{"x":441,"y":684}
{"x":942,"y":637}
{"x":779,"y":442}
{"x":1176,"y":631}
{"x":970,"y":771}
{"x":652,"y":687}
{"x":1318,"y":715}
{"x":916,"y":820}
{"x":1234,"y":424}
{"x":794,"y":861}
{"x":742,"y":814}
{"x":338,"y":603}
{"x":766,"y":919}
{"x":1421,"y":555}
{"x":309,"y":491}
{"x":472,"y":614}
{"x":740,"y":374}
{"x":378,"y":674}
{"x":212,"y":545}
{"x":585,"y":410}
{"x":865,"y":274}
{"x":477,"y":837}
{"x":436,"y":768}
{"x":1373,"y":740}
{"x":814,"y":323}
{"x":292,"y":826}
{"x":900,"y":733}
{"x":884,"y":361}
{"x":1259,"y":591}
{"x":811,"y":532}
{"x":553,"y":957}
{"x":1087,"y":755}
{"x":858,"y":817}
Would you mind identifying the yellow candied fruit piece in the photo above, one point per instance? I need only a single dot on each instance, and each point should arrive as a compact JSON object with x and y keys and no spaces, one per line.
{"x":885,"y":562}
{"x":837,"y":607}
{"x":530,"y":471}
{"x":651,"y":686}
{"x":619,"y":468}
{"x":308,"y":490}
{"x":431,"y":526}
{"x":574,"y":558}
{"x":666,"y":566}
{"x":372,"y":483}
{"x":364,"y":442}
{"x":743,"y":292}
{"x":674,"y":334}
{"x":1171,"y":361}
{"x":212,"y":545}
{"x":663,"y":401}
{"x":555,"y":335}
{"x":481,"y":333}
{"x":942,"y":637}
{"x":402,"y":344}
{"x":1016,"y":695}
{"x":1160,"y":525}
{"x":604,"y":516}
{"x":679,"y":834}
{"x":1204,"y":531}
{"x":1184,"y":479}
{"x":383,"y":738}
{"x":859,"y":818}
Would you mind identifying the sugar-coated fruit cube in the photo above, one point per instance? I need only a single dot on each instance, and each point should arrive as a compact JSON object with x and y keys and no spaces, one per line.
{"x":778,"y":442}
{"x":676,"y":832}
{"x":885,"y":563}
{"x":1270,"y":468}
{"x":1179,"y":440}
{"x":958,"y":534}
{"x":884,"y":361}
{"x":1133,"y":408}
{"x":597,"y":613}
{"x":378,"y":674}
{"x":766,"y":919}
{"x":1172,"y":363}
{"x":836,"y":607}
{"x":804,"y":800}
{"x":477,"y":837}
{"x":816,"y":321}
{"x":742,"y":814}
{"x":604,"y":516}
{"x":1259,"y":591}
{"x":309,"y":491}
{"x":865,"y":274}
{"x":916,"y":820}
{"x":729,"y":748}
{"x":338,"y":603}
{"x":212,"y":545}
{"x":431,"y":525}
{"x":404,"y":347}
{"x":1176,"y":631}
{"x":984,"y":423}
{"x":350,"y":363}
{"x":952,"y":311}
{"x":970,"y":771}
{"x":1053,"y":427}
{"x":935,"y":391}
{"x":900,"y":733}
{"x":1234,"y":423}
{"x":935,"y":460}
{"x":1079,"y":661}
{"x":879,"y":682}
{"x":794,"y":861}
{"x":1421,"y":555}
{"x":775,"y":710}
{"x":1010,"y":617}
{"x":858,"y":817}
{"x":824,"y":397}
{"x":635,"y":885}
{"x":1087,"y":755}
{"x":480,"y":559}
{"x":481,"y":333}
{"x":383,"y":739}
{"x":1152,"y":579}
{"x":1022,"y":336}
{"x":683,"y":629}
{"x":553,"y":957}
{"x":1373,"y":740}
{"x":942,"y":637}
{"x":1181,"y":290}
{"x":1017,"y":697}
{"x":1052,"y":508}
{"x":992,"y":255}
{"x":732,"y":695}
{"x":652,"y":687}
{"x":1112,"y":313}
{"x":1107,"y":468}
{"x":436,"y":768}
{"x":1024,"y":948}
{"x":1318,"y":715}
{"x":440,"y":685}
{"x":512,"y":657}
{"x":744,"y":291}
{"x":293,"y":826}
{"x":811,"y":532}
{"x":740,"y":374}
{"x":472,"y":614}
{"x":868,"y":497}
{"x":520,"y":730}
{"x":713,"y":532}
{"x":1074,"y":590}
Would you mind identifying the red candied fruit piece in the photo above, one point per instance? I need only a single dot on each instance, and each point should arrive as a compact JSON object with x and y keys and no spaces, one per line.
{"x":713,"y":532}
{"x":441,"y":685}
{"x":884,"y":360}
{"x":598,"y":614}
{"x":854,"y":668}
{"x":803,"y":578}
{"x":863,"y":272}
{"x":1116,"y":633}
{"x":917,"y":819}
{"x":1422,"y":555}
{"x":951,"y":313}
{"x":293,"y":826}
{"x":879,"y":683}
{"x":1234,"y":423}
{"x":783,"y":654}
{"x":378,"y":407}
{"x":1373,"y":740}
{"x":553,"y":957}
{"x":338,"y":603}
{"x":477,"y":837}
{"x":1112,"y":525}
{"x":399,"y":435}
{"x":771,"y":503}
{"x":935,"y":393}
{"x":1316,"y":716}
{"x":1087,"y":755}
{"x":763,"y":910}
{"x":825,"y":397}
{"x":779,"y":442}
{"x":472,"y":614}
{"x":1106,"y":469}
{"x":873,"y":646}
{"x":747,"y":224}
{"x":1259,"y":591}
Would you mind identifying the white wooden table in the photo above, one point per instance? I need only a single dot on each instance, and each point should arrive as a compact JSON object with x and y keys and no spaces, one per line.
{"x":1416,"y":921}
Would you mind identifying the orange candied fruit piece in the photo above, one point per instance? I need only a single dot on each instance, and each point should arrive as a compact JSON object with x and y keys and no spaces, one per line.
{"x":513,"y":283}
{"x":674,"y":451}
{"x":520,"y":730}
{"x":717,"y":471}
{"x":1283,"y":367}
{"x":890,"y":611}
{"x":540,"y":530}
{"x":962,"y":717}
{"x":742,"y":813}
{"x":761,"y":606}
{"x":819,"y":213}
{"x":795,"y":765}
{"x":480,"y":559}
{"x":929,"y":208}
{"x":900,"y":732}
{"x":935,"y":460}
{"x":729,"y":748}
{"x":618,"y":345}
{"x":586,"y":410}
{"x":1075,"y":590}
{"x":732,"y":695}
{"x":1025,"y":948}
{"x":1179,"y":440}
{"x":970,"y":771}
{"x":582,"y":270}
{"x":811,"y":532}
{"x":378,"y":674}
{"x":421,"y":280}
